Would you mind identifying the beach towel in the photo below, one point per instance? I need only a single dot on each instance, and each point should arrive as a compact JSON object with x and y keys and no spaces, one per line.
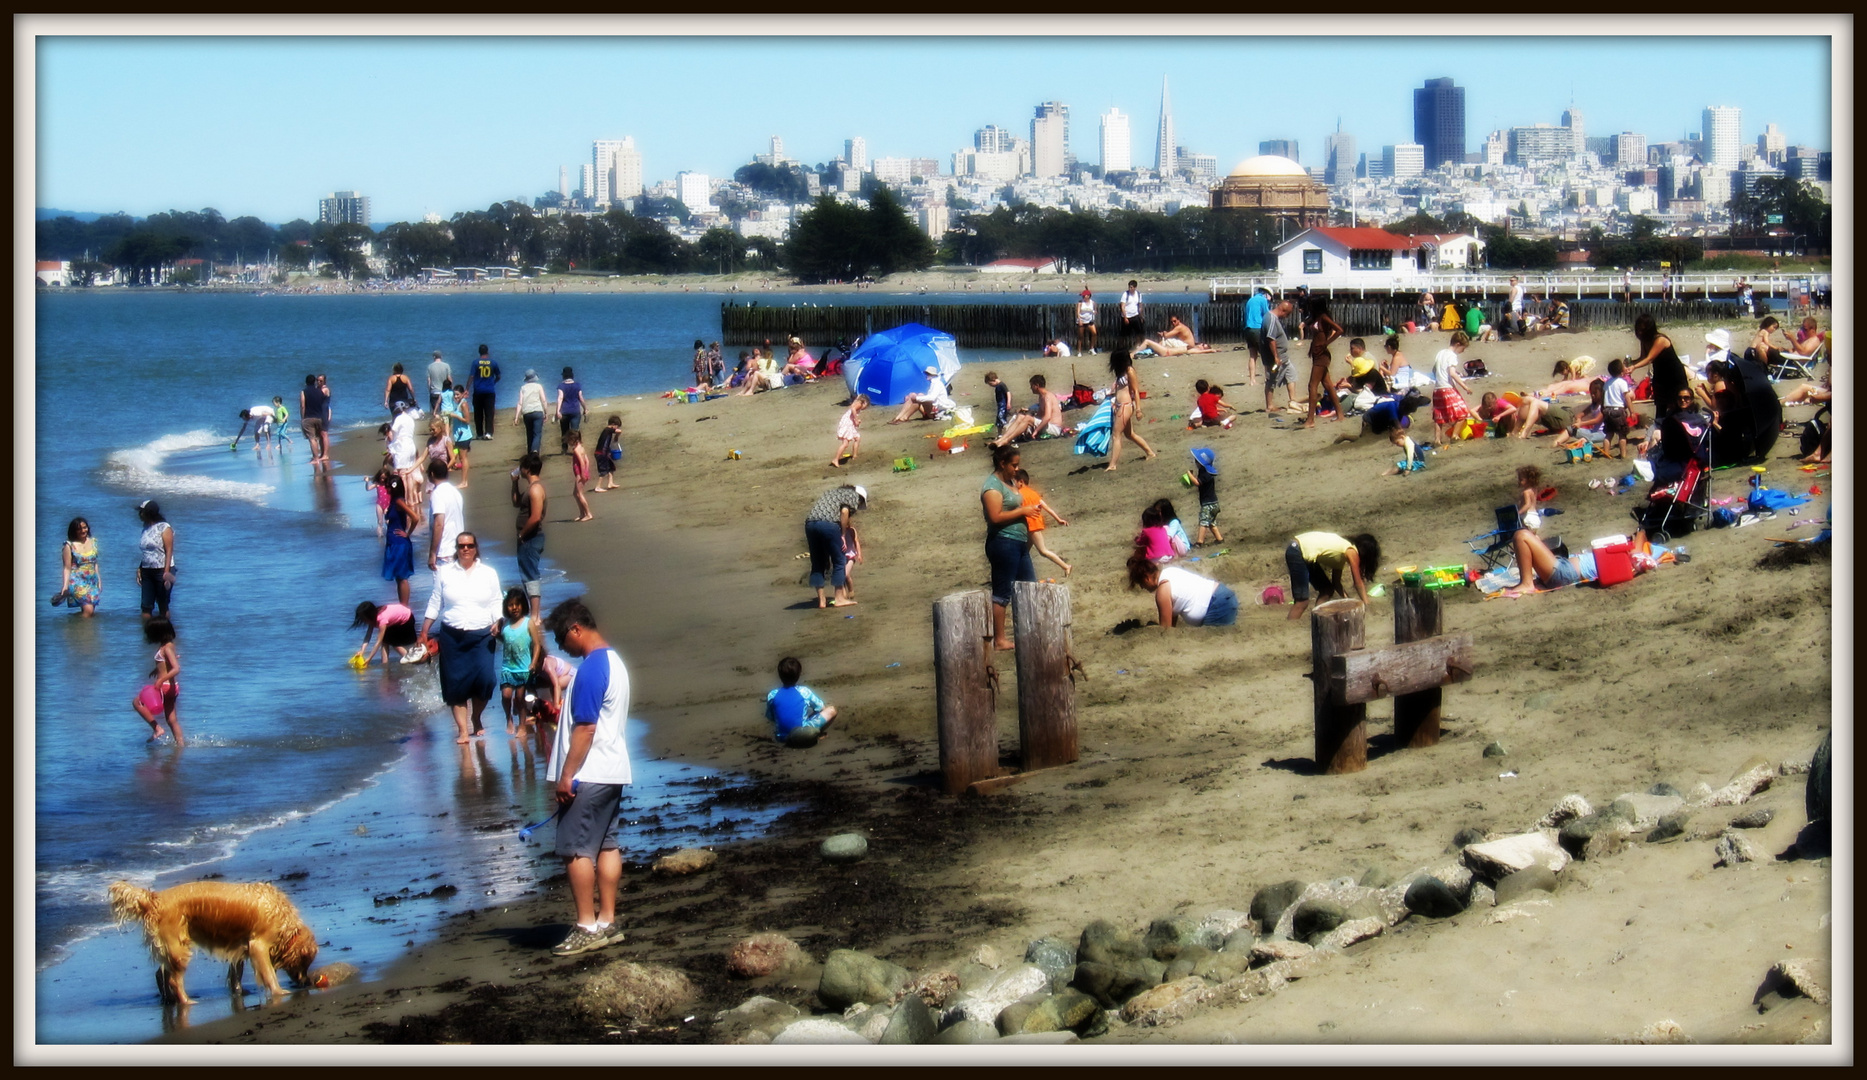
{"x":1093,"y":436}
{"x":1770,"y":499}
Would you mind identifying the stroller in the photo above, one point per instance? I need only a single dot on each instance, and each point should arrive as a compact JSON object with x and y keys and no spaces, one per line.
{"x":1678,"y":507}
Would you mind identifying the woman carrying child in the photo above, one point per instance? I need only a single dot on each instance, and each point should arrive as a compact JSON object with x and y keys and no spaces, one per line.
{"x":521,"y":650}
{"x":1034,"y":521}
{"x":1180,"y":594}
{"x":849,"y":431}
{"x":155,"y":703}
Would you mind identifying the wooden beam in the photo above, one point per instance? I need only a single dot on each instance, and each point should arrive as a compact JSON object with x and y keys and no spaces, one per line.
{"x":1341,"y":729}
{"x":1046,"y":692}
{"x":964,"y":689}
{"x":1362,"y":675}
{"x":1416,"y":715}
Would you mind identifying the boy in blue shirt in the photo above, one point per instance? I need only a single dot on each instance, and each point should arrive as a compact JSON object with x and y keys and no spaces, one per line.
{"x":798,"y":716}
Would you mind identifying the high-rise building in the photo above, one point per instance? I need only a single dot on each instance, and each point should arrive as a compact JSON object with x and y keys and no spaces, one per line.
{"x":1439,"y":122}
{"x":777,"y":151}
{"x":933,"y":219}
{"x":1721,"y":135}
{"x":627,"y":181}
{"x":603,"y":159}
{"x":1338,"y":156}
{"x":923,"y":166}
{"x":856,"y":153}
{"x":1630,"y":149}
{"x":1117,"y":145}
{"x":1772,"y":145}
{"x":587,"y":184}
{"x":991,"y":139}
{"x":1572,"y":119}
{"x":1050,"y":139}
{"x":893,"y":171}
{"x":695,"y":190}
{"x":1496,"y":146}
{"x":344,"y":208}
{"x":1200,"y":168}
{"x":1539,"y":145}
{"x":1403,"y":160}
{"x":563,"y":183}
{"x":1163,"y":140}
{"x":1283,"y":148}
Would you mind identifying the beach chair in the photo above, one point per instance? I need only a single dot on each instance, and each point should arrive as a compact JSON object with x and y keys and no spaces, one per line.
{"x":1792,"y":366}
{"x":1494,"y":548}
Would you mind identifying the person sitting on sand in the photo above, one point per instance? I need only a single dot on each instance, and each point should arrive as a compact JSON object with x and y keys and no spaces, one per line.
{"x":1058,"y":347}
{"x":926,"y":404}
{"x":1176,"y":341}
{"x":1043,"y":421}
{"x":798,"y":716}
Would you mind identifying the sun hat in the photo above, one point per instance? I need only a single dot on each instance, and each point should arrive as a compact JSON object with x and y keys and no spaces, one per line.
{"x":530,"y":375}
{"x":862,"y":494}
{"x":1719,"y":337}
{"x":930,"y":370}
{"x":1207,"y":459}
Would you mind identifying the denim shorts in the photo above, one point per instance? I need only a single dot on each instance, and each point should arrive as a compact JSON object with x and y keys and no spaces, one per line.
{"x":530,"y":551}
{"x":1565,"y":573}
{"x":1222,"y":609}
{"x":1303,"y":574}
{"x":1011,"y":561}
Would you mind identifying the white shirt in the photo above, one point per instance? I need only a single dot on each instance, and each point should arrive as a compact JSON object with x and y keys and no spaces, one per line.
{"x":466,"y":599}
{"x":531,"y":398}
{"x":402,"y":439}
{"x":1516,"y":297}
{"x":1443,"y":366}
{"x":1086,"y":312}
{"x":605,"y":699}
{"x":1615,"y":394}
{"x":1062,"y":347}
{"x":1130,"y":304}
{"x":1192,"y":594}
{"x":448,"y":510}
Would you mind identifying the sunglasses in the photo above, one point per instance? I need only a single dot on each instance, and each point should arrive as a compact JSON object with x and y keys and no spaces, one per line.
{"x":470,"y":547}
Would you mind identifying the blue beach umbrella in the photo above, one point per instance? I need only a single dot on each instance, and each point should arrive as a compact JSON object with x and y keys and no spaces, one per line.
{"x":892,"y":364}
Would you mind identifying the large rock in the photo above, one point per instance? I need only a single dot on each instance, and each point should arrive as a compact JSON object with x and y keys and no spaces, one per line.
{"x":1011,"y":1018}
{"x":1223,"y":966}
{"x":935,"y":988}
{"x":1754,"y":777}
{"x":1069,"y":1010}
{"x":1483,"y":896}
{"x":986,"y":1003}
{"x":765,"y":954}
{"x":685,"y":861}
{"x":642,"y":992}
{"x":1671,"y":825}
{"x":1355,"y":902}
{"x":818,"y":1031}
{"x":1575,"y":834}
{"x":1054,"y":956}
{"x":1567,"y":808}
{"x":965,"y":1033}
{"x":1807,"y":976}
{"x":756,"y":1020}
{"x":1167,"y":1003}
{"x":870,"y":1023}
{"x":844,"y":848}
{"x":1041,"y":1038}
{"x":1313,"y":917}
{"x":1187,"y":962}
{"x":1110,"y":984}
{"x":1271,"y":950}
{"x":850,"y":977}
{"x":1525,"y":882}
{"x":1733,"y":848}
{"x":1754,"y":819}
{"x":1497,"y":859}
{"x":1375,"y":877}
{"x":1352,"y":932}
{"x":1104,"y":943}
{"x":911,"y":1024}
{"x":1166,"y":937}
{"x":1642,"y":810}
{"x":1433,"y":898}
{"x":1218,"y":925}
{"x":1270,"y":901}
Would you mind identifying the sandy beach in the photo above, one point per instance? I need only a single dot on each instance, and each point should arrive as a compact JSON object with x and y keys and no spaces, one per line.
{"x":1194,"y":788}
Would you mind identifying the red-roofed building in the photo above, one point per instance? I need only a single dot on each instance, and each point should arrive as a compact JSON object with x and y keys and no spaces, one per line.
{"x":1344,"y":257}
{"x":56,"y":274}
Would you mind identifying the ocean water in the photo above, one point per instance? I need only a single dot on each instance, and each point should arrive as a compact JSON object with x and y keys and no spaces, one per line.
{"x":347,"y":785}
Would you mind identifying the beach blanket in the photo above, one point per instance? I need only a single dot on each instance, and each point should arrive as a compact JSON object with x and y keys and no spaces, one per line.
{"x":1770,"y":499}
{"x":1093,"y":436}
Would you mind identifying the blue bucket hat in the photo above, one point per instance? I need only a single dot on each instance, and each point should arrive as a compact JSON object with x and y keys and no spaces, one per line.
{"x":1206,"y":459}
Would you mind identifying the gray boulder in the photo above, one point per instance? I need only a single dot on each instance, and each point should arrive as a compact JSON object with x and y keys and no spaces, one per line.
{"x":760,"y":1015}
{"x":1663,"y":788}
{"x":1525,"y":882}
{"x":1068,"y":1010}
{"x":1376,"y":877}
{"x":1643,"y":810}
{"x":1270,"y":901}
{"x":1187,"y":962}
{"x":818,"y":1031}
{"x":1671,"y":825}
{"x":1111,"y":985}
{"x":1104,"y":943}
{"x":844,"y":848}
{"x":1733,"y":848}
{"x":1754,"y":819}
{"x":911,"y":1024}
{"x":965,"y":1033}
{"x":1495,"y":750}
{"x":1432,"y":898}
{"x":850,"y":977}
{"x":1314,"y":917}
{"x":1575,"y":835}
{"x":1222,"y":966}
{"x":1011,"y":1018}
{"x":1239,"y":941}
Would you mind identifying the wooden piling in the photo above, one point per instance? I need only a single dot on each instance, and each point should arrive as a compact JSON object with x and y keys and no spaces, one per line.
{"x":1416,"y":715}
{"x":1341,"y":733}
{"x":1046,"y":688}
{"x":964,"y":689}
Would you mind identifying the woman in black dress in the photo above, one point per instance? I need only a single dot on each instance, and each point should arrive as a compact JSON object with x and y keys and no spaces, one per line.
{"x":1656,"y":351}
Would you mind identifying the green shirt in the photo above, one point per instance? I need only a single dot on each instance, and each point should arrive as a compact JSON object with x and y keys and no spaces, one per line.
{"x":1011,"y":531}
{"x":1474,"y":318}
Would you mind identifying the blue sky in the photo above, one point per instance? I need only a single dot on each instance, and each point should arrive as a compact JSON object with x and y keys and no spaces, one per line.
{"x":265,"y":126}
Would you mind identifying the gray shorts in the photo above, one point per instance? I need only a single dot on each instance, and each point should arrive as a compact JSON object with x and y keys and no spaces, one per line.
{"x":587,"y":825}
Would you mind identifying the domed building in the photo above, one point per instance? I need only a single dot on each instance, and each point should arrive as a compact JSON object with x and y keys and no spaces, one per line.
{"x":1275,"y":186}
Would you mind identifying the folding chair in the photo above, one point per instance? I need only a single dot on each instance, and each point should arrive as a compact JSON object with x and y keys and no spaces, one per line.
{"x":1791,"y":366}
{"x":1494,"y":548}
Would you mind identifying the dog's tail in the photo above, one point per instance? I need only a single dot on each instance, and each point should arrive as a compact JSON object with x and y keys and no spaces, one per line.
{"x":130,"y":903}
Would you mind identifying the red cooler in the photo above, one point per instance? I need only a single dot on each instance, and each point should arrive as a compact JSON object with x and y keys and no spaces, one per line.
{"x":1614,"y":563}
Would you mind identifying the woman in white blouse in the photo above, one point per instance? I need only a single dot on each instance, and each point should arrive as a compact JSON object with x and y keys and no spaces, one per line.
{"x":466,"y":599}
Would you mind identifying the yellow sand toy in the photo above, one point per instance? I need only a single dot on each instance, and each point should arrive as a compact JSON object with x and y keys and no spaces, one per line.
{"x":1433,"y":577}
{"x":962,"y":432}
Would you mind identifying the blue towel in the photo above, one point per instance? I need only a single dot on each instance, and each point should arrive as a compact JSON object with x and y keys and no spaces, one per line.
{"x":1092,"y":437}
{"x":1772,"y":499}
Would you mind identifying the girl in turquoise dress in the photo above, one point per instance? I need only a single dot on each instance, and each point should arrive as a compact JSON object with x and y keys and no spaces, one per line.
{"x":521,"y":649}
{"x":79,"y":587}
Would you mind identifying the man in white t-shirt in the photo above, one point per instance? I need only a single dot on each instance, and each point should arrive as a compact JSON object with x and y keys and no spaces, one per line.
{"x":1131,"y":322}
{"x":590,"y":766}
{"x":448,"y":512}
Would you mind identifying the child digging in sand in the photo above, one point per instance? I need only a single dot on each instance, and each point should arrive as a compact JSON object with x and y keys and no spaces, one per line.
{"x":798,"y":716}
{"x":849,"y":431}
{"x":1034,"y":521}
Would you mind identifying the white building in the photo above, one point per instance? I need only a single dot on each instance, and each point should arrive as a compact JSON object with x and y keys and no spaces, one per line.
{"x":1117,"y":145}
{"x":1721,"y":135}
{"x":1772,"y":145}
{"x":1539,"y":144}
{"x":56,"y":274}
{"x":588,"y":181}
{"x":991,"y":139}
{"x":1021,"y":266}
{"x":344,"y":208}
{"x":1496,"y":145}
{"x":1344,"y":258}
{"x":1640,"y":200}
{"x":1163,"y":142}
{"x":1050,"y":138}
{"x":1001,"y":167}
{"x":773,"y":228}
{"x":893,"y":171}
{"x":626,"y":181}
{"x":856,"y":152}
{"x":935,"y":219}
{"x":1630,"y":149}
{"x":1338,"y":156}
{"x":1450,"y":251}
{"x":1404,"y":159}
{"x":695,"y":190}
{"x":617,"y":168}
{"x":1572,"y":119}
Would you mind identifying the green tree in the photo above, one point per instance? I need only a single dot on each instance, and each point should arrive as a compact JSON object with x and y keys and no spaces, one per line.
{"x":894,"y":242}
{"x":720,"y":251}
{"x":342,"y":246}
{"x":828,"y":242}
{"x":409,"y":247}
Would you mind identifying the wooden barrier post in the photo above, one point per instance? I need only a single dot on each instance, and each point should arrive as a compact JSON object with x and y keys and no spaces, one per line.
{"x":1046,"y":688}
{"x":1416,"y":715}
{"x":967,"y":717}
{"x":1337,"y":627}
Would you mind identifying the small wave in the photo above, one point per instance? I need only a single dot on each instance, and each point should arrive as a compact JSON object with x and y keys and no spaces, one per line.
{"x":140,"y":468}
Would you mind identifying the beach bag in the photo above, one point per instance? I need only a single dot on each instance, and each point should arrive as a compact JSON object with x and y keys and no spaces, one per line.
{"x":1475,"y":369}
{"x":1083,"y":395}
{"x":1813,"y":433}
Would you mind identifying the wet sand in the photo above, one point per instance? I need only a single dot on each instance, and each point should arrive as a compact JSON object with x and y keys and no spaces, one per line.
{"x":1194,"y":786}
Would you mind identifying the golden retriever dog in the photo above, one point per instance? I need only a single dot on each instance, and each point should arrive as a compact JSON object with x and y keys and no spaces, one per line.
{"x":233,"y":922}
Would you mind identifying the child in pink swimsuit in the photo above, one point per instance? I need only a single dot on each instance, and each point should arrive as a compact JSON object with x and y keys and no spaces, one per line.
{"x":155,"y":703}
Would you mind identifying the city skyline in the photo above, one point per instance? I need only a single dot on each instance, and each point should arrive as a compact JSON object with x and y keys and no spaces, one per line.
{"x":452,"y":149}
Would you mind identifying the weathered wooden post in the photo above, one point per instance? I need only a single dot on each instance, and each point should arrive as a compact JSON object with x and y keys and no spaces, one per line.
{"x":1416,"y":715}
{"x":1046,"y":689}
{"x":1337,"y":627}
{"x":966,"y":696}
